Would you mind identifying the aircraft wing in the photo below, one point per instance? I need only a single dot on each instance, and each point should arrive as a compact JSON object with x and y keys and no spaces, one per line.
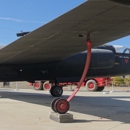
{"x":65,"y":36}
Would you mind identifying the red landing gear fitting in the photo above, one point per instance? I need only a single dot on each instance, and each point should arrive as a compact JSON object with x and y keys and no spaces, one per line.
{"x":62,"y":105}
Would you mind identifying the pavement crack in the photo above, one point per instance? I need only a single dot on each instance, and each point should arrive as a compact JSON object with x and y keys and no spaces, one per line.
{"x":115,"y":127}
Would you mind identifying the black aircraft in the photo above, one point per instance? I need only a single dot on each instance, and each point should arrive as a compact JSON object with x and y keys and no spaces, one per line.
{"x":54,"y":51}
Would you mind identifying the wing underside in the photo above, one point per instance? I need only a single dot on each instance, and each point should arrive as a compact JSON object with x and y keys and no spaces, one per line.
{"x":65,"y":36}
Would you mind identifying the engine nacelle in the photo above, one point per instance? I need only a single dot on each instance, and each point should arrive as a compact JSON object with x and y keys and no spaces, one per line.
{"x":102,"y":58}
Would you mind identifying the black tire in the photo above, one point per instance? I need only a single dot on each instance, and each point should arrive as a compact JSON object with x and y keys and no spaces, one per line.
{"x":53,"y":104}
{"x":40,"y":87}
{"x":91,"y":85}
{"x":56,"y":91}
{"x":100,"y":88}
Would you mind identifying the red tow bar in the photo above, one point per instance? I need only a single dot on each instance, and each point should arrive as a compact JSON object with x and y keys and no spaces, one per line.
{"x":88,"y":58}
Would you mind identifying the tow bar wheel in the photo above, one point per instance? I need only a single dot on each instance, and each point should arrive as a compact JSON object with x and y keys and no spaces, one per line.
{"x":53,"y":104}
{"x":61,"y":106}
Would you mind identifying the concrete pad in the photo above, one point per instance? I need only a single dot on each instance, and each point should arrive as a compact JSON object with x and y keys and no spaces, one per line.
{"x":61,"y":118}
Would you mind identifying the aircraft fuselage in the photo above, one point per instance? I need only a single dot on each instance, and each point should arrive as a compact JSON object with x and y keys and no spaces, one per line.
{"x":105,"y":62}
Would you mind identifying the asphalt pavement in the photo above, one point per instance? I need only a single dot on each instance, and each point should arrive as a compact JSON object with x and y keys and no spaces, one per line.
{"x":26,"y":109}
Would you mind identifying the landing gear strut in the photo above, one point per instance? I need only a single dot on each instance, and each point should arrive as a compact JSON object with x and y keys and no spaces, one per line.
{"x":62,"y":105}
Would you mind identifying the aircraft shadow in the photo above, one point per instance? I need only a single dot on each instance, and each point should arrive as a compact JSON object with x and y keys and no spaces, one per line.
{"x":104,"y":107}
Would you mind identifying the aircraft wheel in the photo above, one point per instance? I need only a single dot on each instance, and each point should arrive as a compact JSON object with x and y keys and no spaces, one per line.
{"x":38,"y":86}
{"x":91,"y":85}
{"x":61,"y":106}
{"x":56,"y":91}
{"x":53,"y":104}
{"x":46,"y":86}
{"x":100,"y":88}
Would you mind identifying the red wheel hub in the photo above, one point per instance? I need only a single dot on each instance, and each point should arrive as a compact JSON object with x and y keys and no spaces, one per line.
{"x":62,"y":106}
{"x":47,"y":86}
{"x":91,"y":85}
{"x":37,"y":85}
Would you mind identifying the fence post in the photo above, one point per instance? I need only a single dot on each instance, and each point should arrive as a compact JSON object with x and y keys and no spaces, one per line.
{"x":112,"y":88}
{"x":16,"y":85}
